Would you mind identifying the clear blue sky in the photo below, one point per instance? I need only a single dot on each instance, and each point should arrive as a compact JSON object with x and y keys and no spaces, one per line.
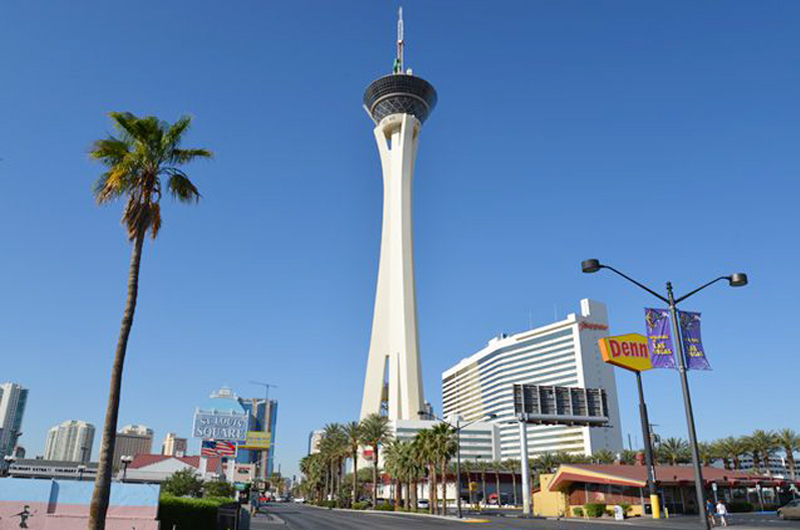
{"x":661,"y":137}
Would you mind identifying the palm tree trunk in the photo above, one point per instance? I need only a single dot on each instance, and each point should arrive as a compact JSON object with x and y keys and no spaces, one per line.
{"x":431,"y":489}
{"x":355,"y":474}
{"x":444,"y":487}
{"x":102,"y":484}
{"x":497,"y":478}
{"x":375,"y":476}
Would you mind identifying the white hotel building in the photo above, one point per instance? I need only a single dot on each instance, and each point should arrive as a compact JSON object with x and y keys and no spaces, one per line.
{"x":564,"y":353}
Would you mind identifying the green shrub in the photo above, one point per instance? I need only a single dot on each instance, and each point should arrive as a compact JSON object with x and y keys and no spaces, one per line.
{"x":625,"y":508}
{"x":360,"y":505}
{"x":218,"y":488}
{"x":327,"y":504}
{"x":190,"y":514}
{"x":577,"y":511}
{"x":594,"y":509}
{"x":385,"y":507}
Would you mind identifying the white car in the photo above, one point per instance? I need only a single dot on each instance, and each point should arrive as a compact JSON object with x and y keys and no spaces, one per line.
{"x":299,"y":500}
{"x":423,"y":503}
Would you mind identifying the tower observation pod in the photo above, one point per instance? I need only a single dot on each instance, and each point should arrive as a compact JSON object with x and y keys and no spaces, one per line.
{"x":398,"y":104}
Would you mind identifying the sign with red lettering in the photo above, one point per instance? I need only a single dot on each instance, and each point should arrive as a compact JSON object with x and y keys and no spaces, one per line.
{"x":627,"y":351}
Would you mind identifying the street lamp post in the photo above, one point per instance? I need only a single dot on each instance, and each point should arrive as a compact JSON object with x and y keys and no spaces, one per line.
{"x":126,"y":461}
{"x":457,"y":428}
{"x":9,"y":460}
{"x":734,"y":280}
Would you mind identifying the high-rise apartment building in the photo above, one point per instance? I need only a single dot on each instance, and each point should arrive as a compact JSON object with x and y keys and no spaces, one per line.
{"x":13,"y":399}
{"x":132,"y":440}
{"x":263,"y":415}
{"x":174,"y":446}
{"x":564,"y":353}
{"x":71,"y":441}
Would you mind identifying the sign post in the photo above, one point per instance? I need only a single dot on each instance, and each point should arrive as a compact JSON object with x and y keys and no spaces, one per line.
{"x":631,"y":353}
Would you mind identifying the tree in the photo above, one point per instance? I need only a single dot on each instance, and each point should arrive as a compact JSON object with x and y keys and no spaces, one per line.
{"x":218,"y":488}
{"x":513,"y":466}
{"x":789,"y":442}
{"x":445,"y":449}
{"x":708,"y":453}
{"x":375,"y":432}
{"x":426,"y":450}
{"x":731,"y":449}
{"x":334,"y":447}
{"x":628,"y":457}
{"x":603,"y":456}
{"x":183,"y":483}
{"x":353,"y":433}
{"x":145,"y":151}
{"x":673,"y":451}
{"x":762,"y":444}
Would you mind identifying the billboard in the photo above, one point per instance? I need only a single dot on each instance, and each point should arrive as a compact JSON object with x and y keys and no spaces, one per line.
{"x":257,"y":440}
{"x":225,"y":426}
{"x":560,"y":405}
{"x":627,"y":351}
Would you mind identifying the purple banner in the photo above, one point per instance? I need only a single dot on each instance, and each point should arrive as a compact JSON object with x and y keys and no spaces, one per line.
{"x":692,"y":343}
{"x":659,"y":338}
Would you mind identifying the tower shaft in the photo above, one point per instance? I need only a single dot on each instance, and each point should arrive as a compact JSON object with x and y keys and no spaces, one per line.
{"x":394,"y":345}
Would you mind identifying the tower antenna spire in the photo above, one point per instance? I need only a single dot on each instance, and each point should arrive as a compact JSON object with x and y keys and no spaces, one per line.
{"x":398,"y":62}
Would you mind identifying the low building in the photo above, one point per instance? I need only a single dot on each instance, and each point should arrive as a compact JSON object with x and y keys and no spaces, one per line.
{"x":53,"y":469}
{"x":157,"y":468}
{"x":574,"y":485}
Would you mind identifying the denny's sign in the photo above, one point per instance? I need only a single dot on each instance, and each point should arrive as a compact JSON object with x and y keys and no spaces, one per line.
{"x":627,"y":351}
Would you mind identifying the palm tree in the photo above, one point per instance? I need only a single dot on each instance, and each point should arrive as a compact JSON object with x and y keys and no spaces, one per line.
{"x":762,"y":445}
{"x":545,"y":463}
{"x":145,"y":151}
{"x":628,"y":457}
{"x":603,"y":456}
{"x":375,"y":431}
{"x":353,"y":433}
{"x":731,"y":449}
{"x":426,"y":449}
{"x":708,"y":452}
{"x":334,"y":447}
{"x":673,"y":450}
{"x":445,"y":448}
{"x":789,"y":442}
{"x":513,"y":466}
{"x":312,"y":466}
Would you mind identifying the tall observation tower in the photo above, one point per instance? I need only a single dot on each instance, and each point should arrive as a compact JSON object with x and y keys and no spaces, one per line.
{"x":399,"y":104}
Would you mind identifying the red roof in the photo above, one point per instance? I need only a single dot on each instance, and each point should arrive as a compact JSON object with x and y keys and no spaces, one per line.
{"x":141,"y":460}
{"x":637,"y":475}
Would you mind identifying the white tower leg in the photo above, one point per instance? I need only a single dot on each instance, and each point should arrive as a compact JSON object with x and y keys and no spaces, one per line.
{"x":394,"y":344}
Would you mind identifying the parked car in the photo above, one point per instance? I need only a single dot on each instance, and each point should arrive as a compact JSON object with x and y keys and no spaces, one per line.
{"x":300,"y":500}
{"x":423,"y":503}
{"x":790,"y":510}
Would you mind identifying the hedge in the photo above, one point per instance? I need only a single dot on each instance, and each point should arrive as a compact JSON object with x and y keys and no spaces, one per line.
{"x":190,"y":514}
{"x":594,"y":509}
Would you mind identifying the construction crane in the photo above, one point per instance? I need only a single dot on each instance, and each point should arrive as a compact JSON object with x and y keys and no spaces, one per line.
{"x":266,"y":386}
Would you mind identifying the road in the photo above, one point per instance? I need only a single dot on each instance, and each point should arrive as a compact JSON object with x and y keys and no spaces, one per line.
{"x":302,"y":517}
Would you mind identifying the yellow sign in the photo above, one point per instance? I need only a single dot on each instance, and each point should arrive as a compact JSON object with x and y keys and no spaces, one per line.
{"x":257,"y":440}
{"x":627,"y":351}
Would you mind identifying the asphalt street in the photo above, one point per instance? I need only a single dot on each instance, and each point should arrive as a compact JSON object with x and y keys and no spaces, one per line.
{"x":302,"y":517}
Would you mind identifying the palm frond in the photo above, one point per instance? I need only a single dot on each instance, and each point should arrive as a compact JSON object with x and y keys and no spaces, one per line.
{"x":182,"y":188}
{"x":172,"y":138}
{"x":184,"y":156}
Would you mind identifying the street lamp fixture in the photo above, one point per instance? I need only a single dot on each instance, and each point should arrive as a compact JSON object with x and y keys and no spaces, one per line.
{"x":738,"y":279}
{"x":9,"y":460}
{"x":458,"y":428}
{"x":126,"y":461}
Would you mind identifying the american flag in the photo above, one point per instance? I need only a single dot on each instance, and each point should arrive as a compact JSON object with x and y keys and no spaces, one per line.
{"x":217,"y":448}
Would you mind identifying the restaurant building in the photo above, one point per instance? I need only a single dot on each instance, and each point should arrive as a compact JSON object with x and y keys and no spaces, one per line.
{"x":574,"y":485}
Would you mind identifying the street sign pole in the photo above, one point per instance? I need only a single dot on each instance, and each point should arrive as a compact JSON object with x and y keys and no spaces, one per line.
{"x":655,"y":503}
{"x":526,"y":470}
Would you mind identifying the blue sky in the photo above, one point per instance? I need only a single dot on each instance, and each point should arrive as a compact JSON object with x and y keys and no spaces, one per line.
{"x":661,"y":137}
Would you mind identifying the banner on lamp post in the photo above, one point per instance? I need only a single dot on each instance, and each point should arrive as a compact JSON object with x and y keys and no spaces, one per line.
{"x":692,"y":342}
{"x":659,"y":338}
